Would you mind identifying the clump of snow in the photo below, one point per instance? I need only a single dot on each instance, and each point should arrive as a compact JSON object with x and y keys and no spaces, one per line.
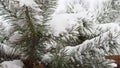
{"x":12,"y":64}
{"x":6,"y":27}
{"x":113,"y":65}
{"x":113,"y":27}
{"x":109,"y":34}
{"x":69,"y":12}
{"x":30,"y":3}
{"x":70,"y":50}
{"x":16,"y":37}
{"x":81,"y":5}
{"x":8,"y":50}
{"x":61,"y":22}
{"x":47,"y":57}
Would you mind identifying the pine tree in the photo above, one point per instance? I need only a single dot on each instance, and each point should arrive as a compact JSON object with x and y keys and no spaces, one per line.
{"x":87,"y":42}
{"x":83,"y":43}
{"x":28,"y":21}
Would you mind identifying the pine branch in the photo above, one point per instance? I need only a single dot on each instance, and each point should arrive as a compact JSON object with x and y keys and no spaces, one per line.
{"x":33,"y":36}
{"x":6,"y":9}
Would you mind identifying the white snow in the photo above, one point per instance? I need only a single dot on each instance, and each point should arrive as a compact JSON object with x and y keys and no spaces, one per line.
{"x":12,"y":64}
{"x":16,"y":37}
{"x":62,"y":19}
{"x":70,"y":50}
{"x":8,"y":50}
{"x":5,"y":26}
{"x":69,"y":14}
{"x":113,"y":65}
{"x":113,"y":27}
{"x":30,"y":3}
{"x":47,"y":57}
{"x":88,"y":10}
{"x":82,"y":5}
{"x":61,"y":22}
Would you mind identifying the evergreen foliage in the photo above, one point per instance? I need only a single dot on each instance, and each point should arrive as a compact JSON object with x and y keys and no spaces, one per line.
{"x":30,"y":35}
